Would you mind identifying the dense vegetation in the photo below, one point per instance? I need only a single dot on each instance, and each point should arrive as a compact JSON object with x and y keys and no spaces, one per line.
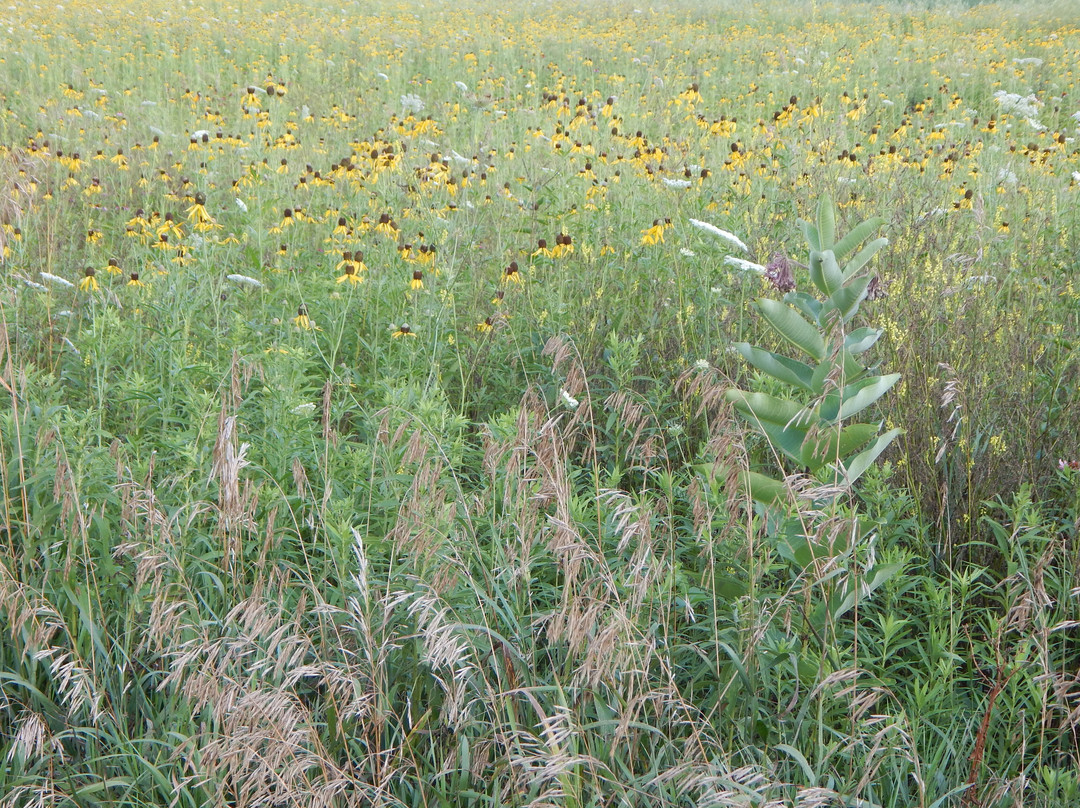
{"x":428,"y":405}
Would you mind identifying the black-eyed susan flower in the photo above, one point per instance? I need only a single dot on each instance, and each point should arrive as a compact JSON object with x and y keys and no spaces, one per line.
{"x":89,"y":283}
{"x":417,"y":281}
{"x":542,"y":249}
{"x":486,"y":326}
{"x":403,"y":331}
{"x":113,"y":267}
{"x":133,"y":280}
{"x":93,"y":236}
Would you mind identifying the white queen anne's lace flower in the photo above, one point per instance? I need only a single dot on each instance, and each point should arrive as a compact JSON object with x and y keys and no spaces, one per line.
{"x":411,"y":103}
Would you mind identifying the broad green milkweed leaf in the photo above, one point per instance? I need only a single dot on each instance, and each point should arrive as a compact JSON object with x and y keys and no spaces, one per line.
{"x":787,"y":370}
{"x":792,"y":327}
{"x":764,"y":489}
{"x":863,"y":257}
{"x":856,"y":236}
{"x":765,"y":409}
{"x":826,"y":222}
{"x":846,"y":299}
{"x":831,"y":275}
{"x":861,"y":339}
{"x":809,"y":306}
{"x":858,"y":465}
{"x":867,"y":394}
{"x":788,"y":439}
{"x":855,"y":397}
{"x":833,"y":445}
{"x":810,"y":233}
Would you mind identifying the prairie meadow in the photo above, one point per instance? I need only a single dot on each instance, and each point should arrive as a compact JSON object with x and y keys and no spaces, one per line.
{"x":439,"y":404}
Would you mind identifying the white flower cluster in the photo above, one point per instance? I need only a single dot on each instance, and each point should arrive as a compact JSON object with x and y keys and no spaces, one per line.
{"x":730,"y":238}
{"x":411,"y":103}
{"x":1023,"y":105}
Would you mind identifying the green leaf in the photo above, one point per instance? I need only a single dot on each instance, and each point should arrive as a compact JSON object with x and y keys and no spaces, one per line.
{"x":787,"y":439}
{"x":855,"y":397}
{"x":816,"y":276}
{"x":864,"y":256}
{"x":810,"y":233}
{"x":858,"y":465}
{"x":809,"y":306}
{"x":846,"y":299}
{"x":761,"y":408}
{"x":826,"y":222}
{"x":764,"y":489}
{"x":830,"y":272}
{"x":856,"y":236}
{"x":866,"y":393}
{"x":792,"y":327}
{"x":834,"y":445}
{"x":861,"y":339}
{"x":787,"y":370}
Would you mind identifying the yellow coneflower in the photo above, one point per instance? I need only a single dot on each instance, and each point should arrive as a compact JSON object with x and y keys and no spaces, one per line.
{"x":654,"y":234}
{"x":403,"y":331}
{"x":171,"y":227}
{"x":342,"y":228}
{"x":113,"y":267}
{"x":405,"y":251}
{"x":564,"y":245}
{"x":351,"y":275}
{"x":198,"y":215}
{"x":511,"y":273}
{"x":133,"y":280}
{"x":542,"y":249}
{"x":486,"y":326}
{"x":386,"y":226}
{"x":427,"y":254}
{"x":283,"y":249}
{"x":417,"y":281}
{"x":500,"y":296}
{"x":93,"y":236}
{"x":89,"y":283}
{"x":301,"y":320}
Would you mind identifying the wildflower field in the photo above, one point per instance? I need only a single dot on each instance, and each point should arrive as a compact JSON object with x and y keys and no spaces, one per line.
{"x":438,"y":404}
